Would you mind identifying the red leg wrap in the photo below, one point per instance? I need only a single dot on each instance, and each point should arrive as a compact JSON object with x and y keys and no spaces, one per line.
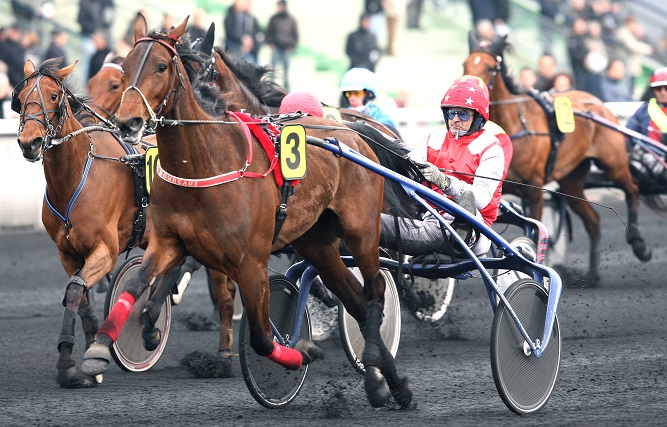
{"x":287,"y":357}
{"x":116,"y":319}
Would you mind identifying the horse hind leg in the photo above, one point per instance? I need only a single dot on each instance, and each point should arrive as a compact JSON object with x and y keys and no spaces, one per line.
{"x":618,"y":170}
{"x":225,"y":291}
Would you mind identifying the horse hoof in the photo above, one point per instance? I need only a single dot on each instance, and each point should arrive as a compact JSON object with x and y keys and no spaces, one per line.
{"x":402,"y":393}
{"x":96,"y":360}
{"x":376,"y":387}
{"x":151,"y":338}
{"x":643,"y":252}
{"x":309,"y":351}
{"x":70,"y":378}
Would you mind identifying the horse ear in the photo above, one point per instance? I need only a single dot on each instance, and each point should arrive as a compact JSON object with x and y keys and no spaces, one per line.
{"x":473,"y":43}
{"x":207,"y":43}
{"x":28,"y":68}
{"x":63,"y":73}
{"x":177,"y":32}
{"x":140,"y":27}
{"x":498,"y":46}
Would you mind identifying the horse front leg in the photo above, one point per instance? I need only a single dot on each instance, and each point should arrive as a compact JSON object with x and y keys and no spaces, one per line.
{"x":162,"y":258}
{"x":78,"y":300}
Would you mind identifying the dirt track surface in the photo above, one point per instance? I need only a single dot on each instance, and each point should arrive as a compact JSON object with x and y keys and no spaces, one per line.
{"x":613,"y":367}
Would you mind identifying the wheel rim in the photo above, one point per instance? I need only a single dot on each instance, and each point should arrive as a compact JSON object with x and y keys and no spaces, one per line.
{"x":390,"y":330}
{"x":271,"y":384}
{"x":524,"y":382}
{"x":128,"y":351}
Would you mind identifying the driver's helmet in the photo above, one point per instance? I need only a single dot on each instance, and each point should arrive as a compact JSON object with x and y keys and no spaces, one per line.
{"x":359,"y":79}
{"x":468,"y":92}
{"x":659,"y":77}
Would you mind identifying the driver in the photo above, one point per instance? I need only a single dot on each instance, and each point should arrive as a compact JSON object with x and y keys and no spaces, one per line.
{"x":359,"y":86}
{"x":474,"y":164}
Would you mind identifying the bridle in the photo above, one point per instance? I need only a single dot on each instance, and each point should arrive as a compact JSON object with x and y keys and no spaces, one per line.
{"x":495,"y":70}
{"x":172,"y":90}
{"x":42,"y":117}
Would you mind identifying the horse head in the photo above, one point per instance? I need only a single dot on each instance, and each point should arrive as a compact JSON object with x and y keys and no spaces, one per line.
{"x":153,"y":75}
{"x":42,"y":105}
{"x":485,"y":59}
{"x":104,"y":88}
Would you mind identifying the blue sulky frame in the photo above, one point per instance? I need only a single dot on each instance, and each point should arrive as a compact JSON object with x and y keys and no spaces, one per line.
{"x":512,"y":259}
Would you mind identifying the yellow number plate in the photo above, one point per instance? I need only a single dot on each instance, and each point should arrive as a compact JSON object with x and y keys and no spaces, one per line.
{"x":564,"y":114}
{"x":293,"y":152}
{"x":332,"y":113}
{"x":152,"y":160}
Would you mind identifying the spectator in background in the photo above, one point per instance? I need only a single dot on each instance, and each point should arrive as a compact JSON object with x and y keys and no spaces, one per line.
{"x":577,"y":51}
{"x":57,"y":47}
{"x":94,"y":16}
{"x":361,"y":46}
{"x":596,"y":60}
{"x":198,"y":28}
{"x":551,"y":18}
{"x":393,"y":9}
{"x":243,"y":36}
{"x":5,"y":92}
{"x":614,"y":87}
{"x":493,"y":12}
{"x":546,"y":69}
{"x":377,"y":19}
{"x":414,"y":12}
{"x":562,"y":82}
{"x":527,"y":79}
{"x":13,"y":53}
{"x":632,"y":36}
{"x":98,"y":59}
{"x":282,"y":35}
{"x":168,"y":22}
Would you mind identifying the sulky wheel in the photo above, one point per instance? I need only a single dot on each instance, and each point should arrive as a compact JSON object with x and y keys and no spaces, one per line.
{"x":524,"y":381}
{"x":128,"y":350}
{"x":270,"y":384}
{"x":390,"y":330}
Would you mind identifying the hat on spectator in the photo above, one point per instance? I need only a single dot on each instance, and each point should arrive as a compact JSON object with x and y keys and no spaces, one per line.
{"x":659,"y":77}
{"x":303,"y":101}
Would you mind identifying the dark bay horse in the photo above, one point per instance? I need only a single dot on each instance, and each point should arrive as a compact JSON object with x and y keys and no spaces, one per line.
{"x":527,"y":124}
{"x":89,"y":207}
{"x":230,"y":227}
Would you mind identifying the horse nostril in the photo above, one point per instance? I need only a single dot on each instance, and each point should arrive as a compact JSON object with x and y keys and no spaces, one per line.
{"x":136,"y":124}
{"x":36,"y":143}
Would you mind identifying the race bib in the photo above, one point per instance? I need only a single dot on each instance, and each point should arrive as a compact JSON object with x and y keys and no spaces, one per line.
{"x":293,"y":152}
{"x":564,"y":114}
{"x":332,"y":113}
{"x":152,"y":160}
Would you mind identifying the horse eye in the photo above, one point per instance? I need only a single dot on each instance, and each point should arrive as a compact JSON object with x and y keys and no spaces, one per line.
{"x":115,"y":86}
{"x":54,"y":96}
{"x":162,"y":68}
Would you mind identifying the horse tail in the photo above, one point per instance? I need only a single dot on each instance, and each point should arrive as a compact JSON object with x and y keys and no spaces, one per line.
{"x":392,"y":154}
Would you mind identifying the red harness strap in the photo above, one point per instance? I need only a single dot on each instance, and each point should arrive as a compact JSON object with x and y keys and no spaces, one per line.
{"x":233,"y":176}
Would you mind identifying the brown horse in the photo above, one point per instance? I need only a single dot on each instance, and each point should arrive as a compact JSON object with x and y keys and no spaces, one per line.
{"x":527,"y":124}
{"x":230,"y":227}
{"x":89,"y":207}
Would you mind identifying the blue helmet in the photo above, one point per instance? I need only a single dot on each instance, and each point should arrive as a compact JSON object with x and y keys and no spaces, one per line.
{"x":358,"y":79}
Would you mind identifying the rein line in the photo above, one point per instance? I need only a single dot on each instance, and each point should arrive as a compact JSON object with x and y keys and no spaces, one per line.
{"x":538,"y":188}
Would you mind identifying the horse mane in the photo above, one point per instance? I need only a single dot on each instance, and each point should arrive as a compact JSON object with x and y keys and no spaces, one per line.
{"x":392,"y":155}
{"x":256,"y":78}
{"x":504,"y":73}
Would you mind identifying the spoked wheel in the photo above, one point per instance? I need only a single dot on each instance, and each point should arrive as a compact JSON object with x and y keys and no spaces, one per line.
{"x":269,"y":383}
{"x":390,"y":330}
{"x":128,"y":350}
{"x":560,"y":232}
{"x":524,"y":382}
